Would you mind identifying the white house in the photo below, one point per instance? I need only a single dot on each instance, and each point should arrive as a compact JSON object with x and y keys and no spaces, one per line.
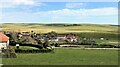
{"x":4,"y":41}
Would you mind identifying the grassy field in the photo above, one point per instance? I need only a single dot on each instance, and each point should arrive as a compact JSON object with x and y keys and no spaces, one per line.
{"x":66,"y":57}
{"x":42,"y":28}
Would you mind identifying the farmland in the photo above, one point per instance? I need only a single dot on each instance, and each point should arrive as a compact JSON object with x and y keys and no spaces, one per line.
{"x":44,"y":28}
{"x":66,"y":57}
{"x":94,"y":31}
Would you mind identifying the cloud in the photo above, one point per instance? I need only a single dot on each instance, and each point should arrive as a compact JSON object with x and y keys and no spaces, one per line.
{"x":81,"y":12}
{"x":74,"y":5}
{"x":14,"y":3}
{"x":24,"y":2}
{"x":102,"y":11}
{"x":98,"y":15}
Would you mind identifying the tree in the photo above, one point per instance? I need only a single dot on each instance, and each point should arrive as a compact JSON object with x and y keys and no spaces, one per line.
{"x":52,"y":35}
{"x":45,"y":44}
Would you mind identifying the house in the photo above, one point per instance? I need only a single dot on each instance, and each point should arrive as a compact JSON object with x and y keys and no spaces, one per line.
{"x":26,"y":33}
{"x":4,"y":41}
{"x":67,"y":37}
{"x":71,"y":38}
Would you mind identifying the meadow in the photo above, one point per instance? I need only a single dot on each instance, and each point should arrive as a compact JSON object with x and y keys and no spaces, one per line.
{"x":66,"y":57}
{"x":60,"y":28}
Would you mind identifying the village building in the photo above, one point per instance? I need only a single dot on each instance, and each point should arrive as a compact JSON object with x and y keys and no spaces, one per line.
{"x":4,"y":41}
{"x":61,"y":37}
{"x":26,"y":33}
{"x":71,"y":38}
{"x":68,"y":37}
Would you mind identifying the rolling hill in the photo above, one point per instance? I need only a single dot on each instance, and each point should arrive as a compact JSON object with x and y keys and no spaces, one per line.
{"x":60,"y":28}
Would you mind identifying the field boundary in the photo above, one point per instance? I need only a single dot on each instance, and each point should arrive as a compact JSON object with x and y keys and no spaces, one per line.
{"x":89,"y":48}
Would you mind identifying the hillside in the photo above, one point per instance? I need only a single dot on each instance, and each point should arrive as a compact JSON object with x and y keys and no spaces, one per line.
{"x":60,"y":28}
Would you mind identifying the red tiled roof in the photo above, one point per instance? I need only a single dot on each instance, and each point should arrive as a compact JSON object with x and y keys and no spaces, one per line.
{"x":3,"y":38}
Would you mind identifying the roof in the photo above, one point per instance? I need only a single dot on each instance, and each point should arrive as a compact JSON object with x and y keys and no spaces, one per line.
{"x":3,"y":37}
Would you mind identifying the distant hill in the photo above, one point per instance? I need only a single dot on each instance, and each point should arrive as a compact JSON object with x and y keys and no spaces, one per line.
{"x":60,"y":28}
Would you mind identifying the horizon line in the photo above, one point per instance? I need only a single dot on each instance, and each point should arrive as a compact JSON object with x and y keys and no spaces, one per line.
{"x":54,"y":23}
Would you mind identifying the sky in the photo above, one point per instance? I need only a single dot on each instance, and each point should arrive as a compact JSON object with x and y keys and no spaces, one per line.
{"x":35,"y":11}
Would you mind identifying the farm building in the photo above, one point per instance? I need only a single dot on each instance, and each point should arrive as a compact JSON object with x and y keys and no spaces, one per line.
{"x":4,"y":41}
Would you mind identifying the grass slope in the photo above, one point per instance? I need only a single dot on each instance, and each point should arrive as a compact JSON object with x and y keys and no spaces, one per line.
{"x":43,"y":28}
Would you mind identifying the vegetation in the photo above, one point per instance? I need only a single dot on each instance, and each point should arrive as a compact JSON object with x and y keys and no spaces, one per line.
{"x":69,"y":56}
{"x":66,"y":57}
{"x":91,"y":35}
{"x":89,"y":31}
{"x":43,"y":28}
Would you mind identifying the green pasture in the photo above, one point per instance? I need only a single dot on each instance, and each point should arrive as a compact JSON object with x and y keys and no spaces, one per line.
{"x":66,"y":57}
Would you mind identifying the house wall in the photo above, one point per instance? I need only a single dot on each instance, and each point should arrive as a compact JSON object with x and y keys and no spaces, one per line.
{"x":4,"y":45}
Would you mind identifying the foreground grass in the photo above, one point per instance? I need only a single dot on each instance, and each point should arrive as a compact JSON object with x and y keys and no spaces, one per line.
{"x":66,"y":57}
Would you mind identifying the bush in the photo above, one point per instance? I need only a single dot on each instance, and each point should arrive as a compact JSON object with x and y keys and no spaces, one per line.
{"x":57,"y":45}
